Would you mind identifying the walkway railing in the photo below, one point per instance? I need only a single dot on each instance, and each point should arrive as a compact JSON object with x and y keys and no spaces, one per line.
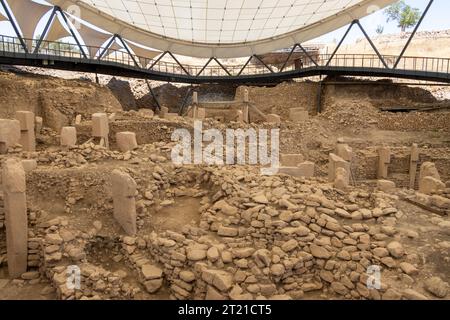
{"x":12,"y":47}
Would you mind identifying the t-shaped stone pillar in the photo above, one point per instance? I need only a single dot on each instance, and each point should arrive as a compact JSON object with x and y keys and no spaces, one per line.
{"x":384,"y":160}
{"x":334,"y":163}
{"x":27,"y":130}
{"x":123,"y":192}
{"x":344,"y":150}
{"x":100,"y":127}
{"x":16,"y":220}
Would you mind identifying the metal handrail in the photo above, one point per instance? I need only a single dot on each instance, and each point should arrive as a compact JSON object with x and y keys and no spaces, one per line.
{"x":53,"y":49}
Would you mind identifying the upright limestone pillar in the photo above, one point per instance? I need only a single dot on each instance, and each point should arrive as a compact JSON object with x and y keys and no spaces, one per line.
{"x":16,"y":220}
{"x":68,"y":136}
{"x":334,"y":163}
{"x":415,"y":154}
{"x":123,"y":192}
{"x":27,"y":130}
{"x":246,"y":111}
{"x":100,"y":128}
{"x":384,"y":159}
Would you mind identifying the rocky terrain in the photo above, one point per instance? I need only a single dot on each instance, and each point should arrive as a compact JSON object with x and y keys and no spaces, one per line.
{"x":211,"y":232}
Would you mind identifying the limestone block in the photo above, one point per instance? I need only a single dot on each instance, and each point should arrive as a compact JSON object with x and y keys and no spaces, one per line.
{"x":201,"y":113}
{"x":29,"y":165}
{"x":26,"y":119}
{"x":171,"y":116}
{"x":342,"y":178}
{"x":126,"y":141}
{"x":304,"y":169}
{"x":100,"y":125}
{"x":16,"y":220}
{"x":334,"y":163}
{"x":163,"y":111}
{"x":123,"y":191}
{"x":429,"y":185}
{"x":78,"y":119}
{"x":273,"y":118}
{"x":428,"y":169}
{"x":386,"y":185}
{"x":195,"y":97}
{"x":246,"y":114}
{"x":298,"y":114}
{"x":291,"y":160}
{"x":146,"y":112}
{"x":38,"y":124}
{"x":28,"y":140}
{"x":384,"y":154}
{"x":240,"y":116}
{"x":9,"y":133}
{"x":68,"y":136}
{"x":344,"y":151}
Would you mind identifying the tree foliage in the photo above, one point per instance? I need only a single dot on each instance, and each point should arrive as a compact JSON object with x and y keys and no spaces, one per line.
{"x":405,"y":15}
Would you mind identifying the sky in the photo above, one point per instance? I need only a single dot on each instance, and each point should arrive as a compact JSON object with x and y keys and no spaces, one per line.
{"x":437,"y":19}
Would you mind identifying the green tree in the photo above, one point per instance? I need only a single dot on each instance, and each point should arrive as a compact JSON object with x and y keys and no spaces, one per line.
{"x":405,"y":15}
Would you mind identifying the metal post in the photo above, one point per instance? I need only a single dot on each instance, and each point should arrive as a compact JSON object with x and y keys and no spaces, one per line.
{"x":16,"y":30}
{"x":128,"y":50}
{"x":178,"y":62}
{"x":220,"y":64}
{"x":63,"y":15}
{"x":340,"y":43}
{"x":44,"y":33}
{"x":372,"y":45}
{"x":308,"y":55}
{"x":157,"y":60}
{"x":110,"y":42}
{"x":413,"y":34}
{"x":158,"y":106}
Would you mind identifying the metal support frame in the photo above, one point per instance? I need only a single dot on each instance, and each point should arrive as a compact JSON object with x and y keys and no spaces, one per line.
{"x":264,"y":64}
{"x":413,"y":34}
{"x":16,"y":29}
{"x":340,"y":43}
{"x":178,"y":62}
{"x":245,"y":66}
{"x":66,"y":21}
{"x":308,"y":55}
{"x":128,"y":50}
{"x":108,"y":45}
{"x":365,"y":35}
{"x":157,"y":60}
{"x":183,"y":103}
{"x":292,"y":52}
{"x":44,"y":33}
{"x":204,"y":67}
{"x":158,"y":106}
{"x":222,"y":66}
{"x":372,"y":45}
{"x":289,"y":57}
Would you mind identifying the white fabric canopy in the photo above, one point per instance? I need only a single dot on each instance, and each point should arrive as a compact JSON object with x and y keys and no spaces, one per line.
{"x":57,"y":31}
{"x":221,"y":28}
{"x":142,"y":53}
{"x":28,"y":14}
{"x":92,"y":38}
